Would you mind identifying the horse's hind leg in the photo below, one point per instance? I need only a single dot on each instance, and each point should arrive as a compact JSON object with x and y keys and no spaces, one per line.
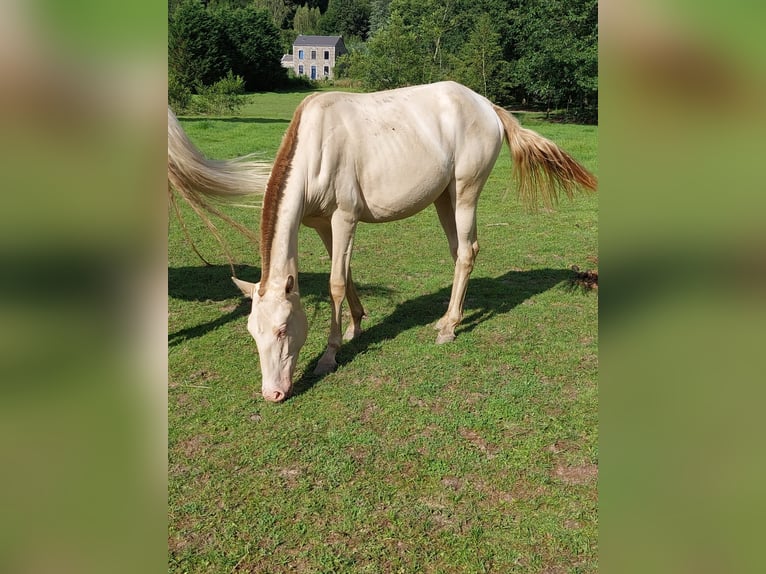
{"x":465,"y":255}
{"x":445,"y":209}
{"x":354,"y":303}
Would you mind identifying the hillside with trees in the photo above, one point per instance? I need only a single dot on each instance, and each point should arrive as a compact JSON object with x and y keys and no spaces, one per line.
{"x":537,"y":54}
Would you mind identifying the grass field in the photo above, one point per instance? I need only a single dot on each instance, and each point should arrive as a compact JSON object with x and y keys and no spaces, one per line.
{"x":476,"y":456}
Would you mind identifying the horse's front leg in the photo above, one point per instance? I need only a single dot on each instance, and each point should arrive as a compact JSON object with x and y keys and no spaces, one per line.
{"x":343,"y":228}
{"x":324,"y":230}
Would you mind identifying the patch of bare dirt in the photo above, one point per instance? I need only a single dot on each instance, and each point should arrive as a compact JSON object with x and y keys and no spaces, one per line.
{"x":290,"y":476}
{"x":581,"y":474}
{"x":416,"y":402}
{"x":192,"y":446}
{"x":197,"y":540}
{"x":452,"y":482}
{"x":561,"y":446}
{"x":370,"y":412}
{"x":525,"y":491}
{"x":182,"y":399}
{"x":359,"y":454}
{"x":572,"y":524}
{"x":478,"y":441}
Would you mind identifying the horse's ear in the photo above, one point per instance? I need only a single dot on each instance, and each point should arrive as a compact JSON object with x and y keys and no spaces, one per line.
{"x":248,"y":289}
{"x":289,"y":285}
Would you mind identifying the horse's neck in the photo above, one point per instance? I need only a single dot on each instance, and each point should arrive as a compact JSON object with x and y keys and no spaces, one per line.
{"x":284,"y":248}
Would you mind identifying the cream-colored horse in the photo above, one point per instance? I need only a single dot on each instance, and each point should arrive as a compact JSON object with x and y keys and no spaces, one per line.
{"x":374,"y":158}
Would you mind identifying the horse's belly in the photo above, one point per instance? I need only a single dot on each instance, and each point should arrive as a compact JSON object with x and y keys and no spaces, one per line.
{"x":400,"y":193}
{"x":391,"y":204}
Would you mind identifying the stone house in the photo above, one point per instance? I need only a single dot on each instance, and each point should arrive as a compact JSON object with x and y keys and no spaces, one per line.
{"x":314,"y":56}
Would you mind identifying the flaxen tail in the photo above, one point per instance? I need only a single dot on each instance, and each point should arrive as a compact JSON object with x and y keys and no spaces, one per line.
{"x":542,"y":170}
{"x":197,"y":179}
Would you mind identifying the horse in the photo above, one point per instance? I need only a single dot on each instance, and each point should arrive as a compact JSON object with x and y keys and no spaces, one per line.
{"x":376,"y":157}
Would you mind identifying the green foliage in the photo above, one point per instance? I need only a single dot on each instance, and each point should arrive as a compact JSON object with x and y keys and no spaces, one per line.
{"x":205,"y":43}
{"x":254,"y":46}
{"x":379,"y":12}
{"x":391,"y":59}
{"x":224,"y":97}
{"x":278,"y":10}
{"x":557,"y":42}
{"x":479,"y":62}
{"x":196,"y":39}
{"x":306,"y":20}
{"x":541,"y":54}
{"x":347,"y":18}
{"x":179,"y":95}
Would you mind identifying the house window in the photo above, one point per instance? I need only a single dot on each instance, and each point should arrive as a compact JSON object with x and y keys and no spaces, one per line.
{"x":327,"y":54}
{"x":326,"y":71}
{"x":300,"y":54}
{"x":313,"y":54}
{"x":313,"y":72}
{"x":300,"y":70}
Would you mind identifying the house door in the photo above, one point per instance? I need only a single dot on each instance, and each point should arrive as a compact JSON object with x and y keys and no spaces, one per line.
{"x":313,"y":72}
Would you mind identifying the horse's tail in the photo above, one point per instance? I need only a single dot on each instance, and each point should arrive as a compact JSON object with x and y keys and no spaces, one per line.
{"x":196,"y":178}
{"x":541,"y":169}
{"x":189,"y":172}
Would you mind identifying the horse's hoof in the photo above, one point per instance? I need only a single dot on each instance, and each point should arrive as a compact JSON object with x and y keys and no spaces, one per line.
{"x":325,"y":368}
{"x":442,"y":338}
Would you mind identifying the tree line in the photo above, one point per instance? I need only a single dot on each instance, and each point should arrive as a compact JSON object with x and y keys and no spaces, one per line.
{"x":541,"y":54}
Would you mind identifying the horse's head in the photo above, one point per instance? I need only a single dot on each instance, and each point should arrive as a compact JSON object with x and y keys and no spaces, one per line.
{"x":278,"y":324}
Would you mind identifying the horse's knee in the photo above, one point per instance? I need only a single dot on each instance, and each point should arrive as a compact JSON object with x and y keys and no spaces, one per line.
{"x":337,"y":290}
{"x":465,"y":260}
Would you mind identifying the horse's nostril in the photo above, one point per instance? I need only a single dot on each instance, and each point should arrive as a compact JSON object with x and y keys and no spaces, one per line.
{"x":277,"y":396}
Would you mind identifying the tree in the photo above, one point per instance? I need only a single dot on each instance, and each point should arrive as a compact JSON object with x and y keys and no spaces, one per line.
{"x":306,"y":20}
{"x":379,"y":10}
{"x":254,"y":46}
{"x":195,"y":45}
{"x":480,"y":59}
{"x":391,"y":59}
{"x":435,"y":25}
{"x":557,"y":43}
{"x":443,"y":27}
{"x":347,"y":18}
{"x":278,"y":10}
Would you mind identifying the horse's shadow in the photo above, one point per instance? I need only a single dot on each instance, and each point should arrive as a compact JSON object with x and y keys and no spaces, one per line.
{"x":486,"y":298}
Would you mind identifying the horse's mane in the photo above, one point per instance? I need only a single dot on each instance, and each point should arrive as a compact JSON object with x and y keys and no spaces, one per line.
{"x":275,"y":190}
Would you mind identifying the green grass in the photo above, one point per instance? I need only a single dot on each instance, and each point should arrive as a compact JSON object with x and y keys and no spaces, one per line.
{"x":476,"y":456}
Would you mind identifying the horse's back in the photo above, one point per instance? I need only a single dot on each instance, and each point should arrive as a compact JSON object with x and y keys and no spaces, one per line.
{"x":398,"y":150}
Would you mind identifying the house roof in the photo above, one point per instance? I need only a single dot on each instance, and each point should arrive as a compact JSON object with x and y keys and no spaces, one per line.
{"x":324,"y":41}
